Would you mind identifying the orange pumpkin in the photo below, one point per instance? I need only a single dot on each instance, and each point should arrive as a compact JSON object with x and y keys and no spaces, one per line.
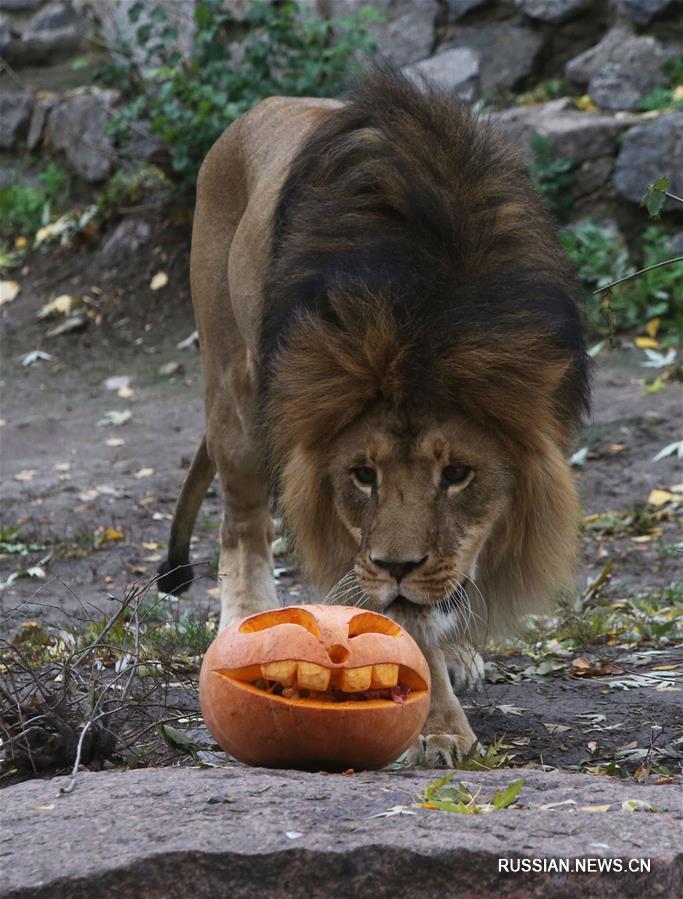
{"x":316,"y":687}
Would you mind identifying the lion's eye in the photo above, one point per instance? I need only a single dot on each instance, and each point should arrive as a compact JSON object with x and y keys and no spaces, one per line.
{"x":455,"y":474}
{"x":365,"y":475}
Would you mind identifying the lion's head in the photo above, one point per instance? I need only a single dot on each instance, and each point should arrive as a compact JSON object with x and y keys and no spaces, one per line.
{"x":423,"y":368}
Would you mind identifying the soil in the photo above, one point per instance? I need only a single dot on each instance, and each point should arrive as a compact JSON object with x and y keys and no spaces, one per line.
{"x":68,"y":479}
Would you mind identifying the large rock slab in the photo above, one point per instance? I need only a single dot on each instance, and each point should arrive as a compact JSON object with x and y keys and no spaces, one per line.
{"x":238,"y":832}
{"x":649,"y":152}
{"x":407,"y":34}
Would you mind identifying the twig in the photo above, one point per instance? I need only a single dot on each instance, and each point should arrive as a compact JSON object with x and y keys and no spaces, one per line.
{"x":635,"y":274}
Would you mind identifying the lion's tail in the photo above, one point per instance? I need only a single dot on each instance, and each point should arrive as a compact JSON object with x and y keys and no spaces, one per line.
{"x":175,"y":572}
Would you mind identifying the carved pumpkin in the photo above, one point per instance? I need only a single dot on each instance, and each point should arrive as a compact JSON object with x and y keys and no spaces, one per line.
{"x":317,"y":687}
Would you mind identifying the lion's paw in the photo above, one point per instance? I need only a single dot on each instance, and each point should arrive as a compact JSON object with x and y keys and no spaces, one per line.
{"x":441,"y":750}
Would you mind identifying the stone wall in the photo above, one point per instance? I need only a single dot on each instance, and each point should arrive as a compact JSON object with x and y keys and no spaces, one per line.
{"x":606,"y":55}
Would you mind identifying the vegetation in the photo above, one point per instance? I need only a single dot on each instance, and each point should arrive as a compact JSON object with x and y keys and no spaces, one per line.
{"x":25,"y":207}
{"x":599,"y":259}
{"x":552,"y":176}
{"x":671,"y":96}
{"x":190,"y":101}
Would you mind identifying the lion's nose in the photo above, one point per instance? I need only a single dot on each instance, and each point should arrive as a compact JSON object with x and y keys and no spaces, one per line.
{"x":397,"y":569}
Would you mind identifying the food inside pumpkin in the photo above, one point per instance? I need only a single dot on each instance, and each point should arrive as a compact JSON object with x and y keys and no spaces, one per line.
{"x":294,"y":679}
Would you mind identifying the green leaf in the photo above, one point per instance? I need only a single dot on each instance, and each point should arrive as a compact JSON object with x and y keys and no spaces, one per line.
{"x":508,"y":796}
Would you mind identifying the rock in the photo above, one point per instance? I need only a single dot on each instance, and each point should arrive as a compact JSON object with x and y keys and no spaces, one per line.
{"x":622,"y":48}
{"x":459,"y":8}
{"x":410,"y":36}
{"x":553,"y":11}
{"x":117,"y":29}
{"x":77,"y":126}
{"x":649,"y":152}
{"x":574,"y":135}
{"x":643,"y":11}
{"x":54,"y":33}
{"x":15,"y":113}
{"x":240,"y":832}
{"x":676,"y":244}
{"x":44,"y":103}
{"x":507,"y":54}
{"x":126,"y":239}
{"x":19,"y":5}
{"x":5,"y":35}
{"x":618,"y":86}
{"x":455,"y":71}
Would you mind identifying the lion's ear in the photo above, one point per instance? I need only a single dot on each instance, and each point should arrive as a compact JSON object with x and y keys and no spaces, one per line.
{"x":308,"y":507}
{"x":529,"y":559}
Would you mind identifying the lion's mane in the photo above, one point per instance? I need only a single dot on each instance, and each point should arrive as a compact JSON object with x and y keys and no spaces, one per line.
{"x":413,"y":261}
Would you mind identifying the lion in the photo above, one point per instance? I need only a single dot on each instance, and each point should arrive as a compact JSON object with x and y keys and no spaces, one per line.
{"x":393,"y":353}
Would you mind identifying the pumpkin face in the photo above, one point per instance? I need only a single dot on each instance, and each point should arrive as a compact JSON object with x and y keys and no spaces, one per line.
{"x":317,"y":687}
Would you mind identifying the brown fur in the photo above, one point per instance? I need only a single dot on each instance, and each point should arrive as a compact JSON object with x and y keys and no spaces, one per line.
{"x":377,"y":283}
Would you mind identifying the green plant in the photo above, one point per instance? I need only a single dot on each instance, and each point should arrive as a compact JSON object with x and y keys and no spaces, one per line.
{"x":667,"y":97}
{"x":552,"y":175}
{"x":25,"y":207}
{"x":543,"y":92}
{"x":190,"y":101}
{"x":599,"y":259}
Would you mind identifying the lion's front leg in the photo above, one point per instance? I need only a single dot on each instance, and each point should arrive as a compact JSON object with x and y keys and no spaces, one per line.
{"x":245,"y":568}
{"x":447,"y":736}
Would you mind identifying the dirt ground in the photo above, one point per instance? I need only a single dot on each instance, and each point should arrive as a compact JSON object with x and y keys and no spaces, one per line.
{"x":96,"y":500}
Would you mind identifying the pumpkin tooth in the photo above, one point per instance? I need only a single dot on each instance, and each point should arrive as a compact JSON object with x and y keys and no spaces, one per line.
{"x":384,"y":676}
{"x":355,"y":680}
{"x":282,"y":672}
{"x":312,"y":676}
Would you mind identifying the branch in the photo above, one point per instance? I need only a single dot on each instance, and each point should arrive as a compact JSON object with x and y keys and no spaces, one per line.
{"x":642,"y":271}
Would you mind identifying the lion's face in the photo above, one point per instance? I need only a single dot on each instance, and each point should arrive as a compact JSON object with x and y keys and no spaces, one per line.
{"x":419,"y":498}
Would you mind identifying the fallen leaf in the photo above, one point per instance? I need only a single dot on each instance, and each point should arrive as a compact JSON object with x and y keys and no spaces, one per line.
{"x":35,"y":356}
{"x":660,"y":497}
{"x":9,"y":291}
{"x":21,"y":242}
{"x":143,"y":473}
{"x":616,"y":448}
{"x":158,"y":281}
{"x":665,"y":667}
{"x":188,"y":342}
{"x":592,"y":746}
{"x":670,"y":450}
{"x":556,"y":728}
{"x":170,"y":368}
{"x":73,"y":323}
{"x":114,"y":418}
{"x":116,"y":382}
{"x":594,"y":808}
{"x":111,"y":535}
{"x":652,"y":327}
{"x":88,"y":496}
{"x":115,"y":441}
{"x":293,"y":834}
{"x":646,"y":343}
{"x":45,"y":808}
{"x":61,"y":305}
{"x":26,"y":474}
{"x":637,"y":805}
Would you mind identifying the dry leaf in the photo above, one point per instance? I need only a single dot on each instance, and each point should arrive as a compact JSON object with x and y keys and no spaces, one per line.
{"x":151,"y":545}
{"x":26,"y":474}
{"x":594,"y":808}
{"x":617,"y":448}
{"x":660,"y":497}
{"x":112,"y":534}
{"x":115,"y":441}
{"x":8,"y":291}
{"x":61,"y":305}
{"x":648,"y":343}
{"x":158,"y":281}
{"x":556,"y":728}
{"x":62,"y":466}
{"x":143,"y":473}
{"x":125,"y":392}
{"x":652,"y":327}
